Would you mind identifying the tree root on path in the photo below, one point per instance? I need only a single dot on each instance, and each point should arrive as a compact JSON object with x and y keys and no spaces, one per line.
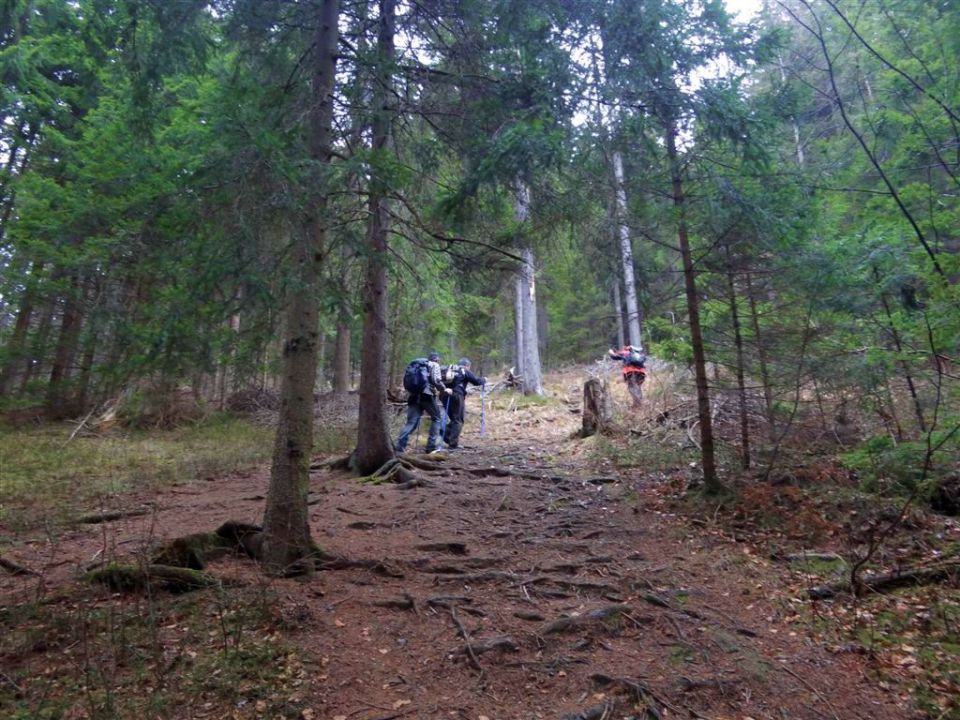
{"x":402,"y":471}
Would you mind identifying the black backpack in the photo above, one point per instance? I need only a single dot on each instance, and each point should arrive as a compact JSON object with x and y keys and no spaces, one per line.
{"x":416,"y":378}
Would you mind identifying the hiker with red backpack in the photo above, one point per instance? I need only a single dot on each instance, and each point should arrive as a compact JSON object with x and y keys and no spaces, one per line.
{"x":634,"y":372}
{"x":422,"y":381}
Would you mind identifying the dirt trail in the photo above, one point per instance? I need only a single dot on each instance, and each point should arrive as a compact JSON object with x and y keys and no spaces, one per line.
{"x":576,"y":597}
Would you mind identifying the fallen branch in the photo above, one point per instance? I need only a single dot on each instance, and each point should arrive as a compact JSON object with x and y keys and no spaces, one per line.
{"x":468,"y":647}
{"x":404,"y":603}
{"x":98,"y":518}
{"x":131,"y":578}
{"x":603,"y":711}
{"x":923,"y":575}
{"x":14,"y":569}
{"x":608,"y":617}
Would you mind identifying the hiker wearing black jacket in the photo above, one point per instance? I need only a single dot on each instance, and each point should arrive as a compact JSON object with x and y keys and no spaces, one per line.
{"x":425,"y":402}
{"x":458,"y":400}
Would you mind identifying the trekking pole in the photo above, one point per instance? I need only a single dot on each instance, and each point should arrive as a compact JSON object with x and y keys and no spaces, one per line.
{"x":483,"y":417}
{"x":444,"y":418}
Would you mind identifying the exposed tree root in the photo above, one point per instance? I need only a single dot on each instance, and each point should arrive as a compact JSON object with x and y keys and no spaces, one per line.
{"x":923,"y":575}
{"x":14,"y":569}
{"x":402,"y":471}
{"x":378,"y":567}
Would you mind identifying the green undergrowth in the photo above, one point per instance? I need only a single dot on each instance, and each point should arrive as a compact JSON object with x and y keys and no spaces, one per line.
{"x":218,"y":653}
{"x":654,"y":452}
{"x":46,"y":476}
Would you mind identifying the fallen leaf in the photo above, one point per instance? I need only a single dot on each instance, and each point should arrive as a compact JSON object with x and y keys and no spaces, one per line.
{"x":400,"y":703}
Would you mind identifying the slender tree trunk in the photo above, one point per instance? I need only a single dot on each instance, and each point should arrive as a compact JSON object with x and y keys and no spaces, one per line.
{"x":618,"y":313}
{"x":89,"y":355}
{"x":16,"y":346}
{"x":341,"y":356}
{"x":520,"y":363}
{"x":286,"y":531}
{"x":533,"y":376}
{"x":741,"y":383}
{"x":901,"y":361}
{"x":374,"y":446}
{"x":711,"y":480}
{"x":58,"y":405}
{"x":762,"y":359}
{"x":626,"y":255}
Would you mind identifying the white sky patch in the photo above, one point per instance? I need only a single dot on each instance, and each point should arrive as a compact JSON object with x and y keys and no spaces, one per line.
{"x":743,"y":10}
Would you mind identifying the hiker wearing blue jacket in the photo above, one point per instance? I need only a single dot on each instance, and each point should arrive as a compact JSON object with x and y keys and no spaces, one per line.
{"x":423,"y":383}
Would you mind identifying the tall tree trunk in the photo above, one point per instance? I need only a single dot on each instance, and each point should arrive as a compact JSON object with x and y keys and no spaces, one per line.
{"x":533,"y":375}
{"x":518,"y":325}
{"x":762,"y":359}
{"x":286,"y":530}
{"x":16,"y":346}
{"x":530,"y":342}
{"x":626,"y":255}
{"x":711,"y":480}
{"x":618,"y":313}
{"x":741,"y":382}
{"x":374,"y":446}
{"x":58,"y":405}
{"x":341,"y":355}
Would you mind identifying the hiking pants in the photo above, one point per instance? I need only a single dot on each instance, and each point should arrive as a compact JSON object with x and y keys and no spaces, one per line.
{"x":455,"y":414}
{"x":634,"y":382}
{"x":416,"y":406}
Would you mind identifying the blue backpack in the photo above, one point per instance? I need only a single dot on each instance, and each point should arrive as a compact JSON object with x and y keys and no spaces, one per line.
{"x":416,"y":378}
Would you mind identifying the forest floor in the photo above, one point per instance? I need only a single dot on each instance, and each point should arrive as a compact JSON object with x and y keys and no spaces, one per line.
{"x":536,"y":575}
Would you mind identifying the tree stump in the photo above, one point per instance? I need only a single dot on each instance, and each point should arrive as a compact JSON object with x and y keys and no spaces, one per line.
{"x":596,"y":408}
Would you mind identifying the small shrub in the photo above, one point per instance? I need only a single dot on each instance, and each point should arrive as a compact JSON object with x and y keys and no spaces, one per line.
{"x":886,"y":467}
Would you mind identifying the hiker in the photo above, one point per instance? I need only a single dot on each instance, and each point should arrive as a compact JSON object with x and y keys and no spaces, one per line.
{"x":634,"y":372}
{"x":422,"y":380}
{"x":456,"y":377}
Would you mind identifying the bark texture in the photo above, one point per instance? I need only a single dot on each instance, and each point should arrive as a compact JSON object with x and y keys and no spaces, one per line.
{"x":374,"y":447}
{"x":710,"y":478}
{"x":286,"y":530}
{"x":626,"y":255}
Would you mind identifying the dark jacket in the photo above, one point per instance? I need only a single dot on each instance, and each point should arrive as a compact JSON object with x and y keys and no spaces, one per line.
{"x":462,"y":377}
